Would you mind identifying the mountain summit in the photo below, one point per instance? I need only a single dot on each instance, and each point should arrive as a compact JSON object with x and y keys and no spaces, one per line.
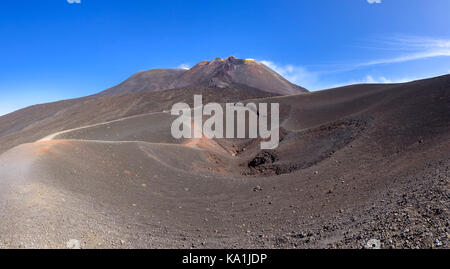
{"x":219,"y":73}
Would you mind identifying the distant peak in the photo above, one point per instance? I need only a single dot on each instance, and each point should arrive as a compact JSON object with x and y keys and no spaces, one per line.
{"x":217,"y":73}
{"x":230,"y":59}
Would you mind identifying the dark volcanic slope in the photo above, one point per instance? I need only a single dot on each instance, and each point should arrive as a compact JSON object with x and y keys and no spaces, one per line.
{"x":229,"y":80}
{"x":354,"y":163}
{"x":220,"y":73}
{"x":233,"y":71}
{"x":146,"y":81}
{"x":35,"y":122}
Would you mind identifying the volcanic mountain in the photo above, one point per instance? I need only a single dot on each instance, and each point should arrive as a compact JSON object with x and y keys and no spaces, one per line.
{"x":354,"y":163}
{"x":219,"y":73}
{"x":229,"y":80}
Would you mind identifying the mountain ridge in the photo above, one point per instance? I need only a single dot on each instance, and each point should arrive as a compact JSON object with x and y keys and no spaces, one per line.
{"x":219,"y":73}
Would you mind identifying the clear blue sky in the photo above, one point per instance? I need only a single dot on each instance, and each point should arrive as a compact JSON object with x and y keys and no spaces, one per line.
{"x":52,"y":50}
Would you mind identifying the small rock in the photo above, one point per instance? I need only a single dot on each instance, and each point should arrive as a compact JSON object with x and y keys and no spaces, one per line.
{"x":73,"y":244}
{"x":373,"y":244}
{"x":257,"y":188}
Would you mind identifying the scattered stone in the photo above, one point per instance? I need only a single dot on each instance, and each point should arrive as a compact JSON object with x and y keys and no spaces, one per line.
{"x":257,"y":188}
{"x":373,"y":244}
{"x":73,"y":244}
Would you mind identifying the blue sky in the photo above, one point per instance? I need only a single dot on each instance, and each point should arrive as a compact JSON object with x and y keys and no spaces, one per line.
{"x":52,"y":49}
